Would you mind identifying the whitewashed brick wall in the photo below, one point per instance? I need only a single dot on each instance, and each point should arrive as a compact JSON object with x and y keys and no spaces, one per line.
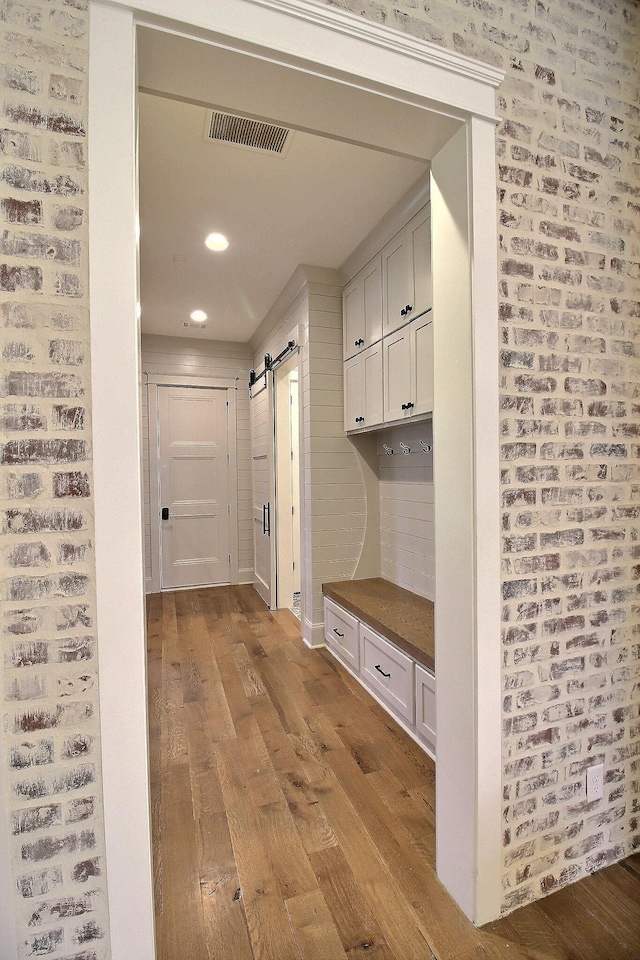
{"x":50,"y":722}
{"x":568,"y":167}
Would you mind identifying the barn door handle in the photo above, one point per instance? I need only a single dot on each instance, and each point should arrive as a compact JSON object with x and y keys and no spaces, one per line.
{"x":266,"y":519}
{"x":165,"y":513}
{"x":380,"y":670}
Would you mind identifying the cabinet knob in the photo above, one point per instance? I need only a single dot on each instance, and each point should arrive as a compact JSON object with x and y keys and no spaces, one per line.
{"x":358,"y":343}
{"x":406,"y":406}
{"x":359,"y":419}
{"x":408,"y":308}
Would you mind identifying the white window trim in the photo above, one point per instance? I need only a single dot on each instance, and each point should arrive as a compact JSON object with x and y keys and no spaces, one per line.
{"x":348,"y":49}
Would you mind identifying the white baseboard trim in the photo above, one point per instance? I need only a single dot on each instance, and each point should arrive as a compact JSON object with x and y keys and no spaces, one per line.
{"x":313,"y":634}
{"x":246,"y":576}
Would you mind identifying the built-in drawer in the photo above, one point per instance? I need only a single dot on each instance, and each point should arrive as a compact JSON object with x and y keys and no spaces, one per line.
{"x":341,"y":633}
{"x":387,"y":671}
{"x":426,"y":705}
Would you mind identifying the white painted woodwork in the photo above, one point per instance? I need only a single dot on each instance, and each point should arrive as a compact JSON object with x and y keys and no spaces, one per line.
{"x":262,"y":458}
{"x":286,"y":515}
{"x":397,"y":379}
{"x":341,"y":631}
{"x":194,"y":486}
{"x":360,"y":57}
{"x":418,"y":232}
{"x":182,"y":362}
{"x":362,"y":309}
{"x":363,"y":406}
{"x":421,"y":349}
{"x":117,"y":482}
{"x":408,"y":370}
{"x":388,"y":671}
{"x":406,"y":273}
{"x":426,"y":705}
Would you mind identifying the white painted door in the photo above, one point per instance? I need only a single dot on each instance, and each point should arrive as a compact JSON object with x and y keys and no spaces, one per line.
{"x":263,"y":489}
{"x":194,"y":486}
{"x":294,"y":437}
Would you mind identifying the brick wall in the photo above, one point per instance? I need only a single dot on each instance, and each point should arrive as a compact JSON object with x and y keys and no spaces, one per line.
{"x":568,"y":168}
{"x":50,"y":735}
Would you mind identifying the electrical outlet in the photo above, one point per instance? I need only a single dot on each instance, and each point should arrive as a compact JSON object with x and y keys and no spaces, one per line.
{"x":595,"y":782}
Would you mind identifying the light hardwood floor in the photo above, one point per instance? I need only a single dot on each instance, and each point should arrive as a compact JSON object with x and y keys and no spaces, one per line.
{"x":293,"y":820}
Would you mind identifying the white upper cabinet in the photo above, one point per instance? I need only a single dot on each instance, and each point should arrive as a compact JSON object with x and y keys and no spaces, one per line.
{"x":363,"y":389}
{"x":362,"y":309}
{"x":406,"y":273}
{"x":408,"y":370}
{"x":388,"y":331}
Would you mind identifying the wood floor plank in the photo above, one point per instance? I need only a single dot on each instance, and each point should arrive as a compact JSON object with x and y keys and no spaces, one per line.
{"x":249,"y":676}
{"x":355,"y":918}
{"x":225,"y":923}
{"x":612,"y":895}
{"x":267,"y":921}
{"x":588,"y":939}
{"x":441,"y":921}
{"x":379,"y":886}
{"x":313,"y":827}
{"x":313,"y":927}
{"x":182,"y":915}
{"x":408,"y":814}
{"x":289,"y":862}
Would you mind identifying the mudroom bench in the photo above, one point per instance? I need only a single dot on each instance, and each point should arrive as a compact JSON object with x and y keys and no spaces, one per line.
{"x":383,"y":634}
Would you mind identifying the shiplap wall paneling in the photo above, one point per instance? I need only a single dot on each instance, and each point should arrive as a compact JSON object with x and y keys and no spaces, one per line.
{"x":407,"y":531}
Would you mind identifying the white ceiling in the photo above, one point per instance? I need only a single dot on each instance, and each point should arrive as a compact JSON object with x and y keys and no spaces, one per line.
{"x":312,"y":205}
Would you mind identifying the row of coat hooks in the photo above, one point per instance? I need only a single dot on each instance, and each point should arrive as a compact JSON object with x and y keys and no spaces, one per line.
{"x":425,"y":447}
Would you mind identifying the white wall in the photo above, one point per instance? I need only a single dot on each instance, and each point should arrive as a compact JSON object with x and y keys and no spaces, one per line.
{"x":407,"y":527}
{"x":185,"y":358}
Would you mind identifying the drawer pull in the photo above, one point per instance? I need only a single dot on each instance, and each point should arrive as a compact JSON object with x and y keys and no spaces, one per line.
{"x":380,"y":670}
{"x":337,"y":633}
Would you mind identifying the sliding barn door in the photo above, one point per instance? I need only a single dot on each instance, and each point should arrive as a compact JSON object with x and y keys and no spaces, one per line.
{"x":262,"y":445}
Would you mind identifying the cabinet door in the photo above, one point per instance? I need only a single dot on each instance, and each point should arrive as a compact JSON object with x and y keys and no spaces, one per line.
{"x":362,"y":309}
{"x":396,"y":277}
{"x":426,"y":705}
{"x":421,"y":336}
{"x":419,"y":230}
{"x":353,"y":318}
{"x":363,"y":389}
{"x":396,"y":350}
{"x":371,"y":361}
{"x":353,"y":394}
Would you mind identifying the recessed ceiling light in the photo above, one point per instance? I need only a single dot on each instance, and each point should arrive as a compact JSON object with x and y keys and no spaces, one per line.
{"x":199,"y":316}
{"x":216,"y":241}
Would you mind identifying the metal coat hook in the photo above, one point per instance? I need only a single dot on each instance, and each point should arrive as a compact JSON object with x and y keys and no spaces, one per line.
{"x":426,"y":447}
{"x":387,"y":450}
{"x":405,"y":449}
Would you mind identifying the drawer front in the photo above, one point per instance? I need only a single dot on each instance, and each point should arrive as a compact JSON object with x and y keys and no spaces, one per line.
{"x":387,"y":671}
{"x":341,"y":633}
{"x":426,"y":704}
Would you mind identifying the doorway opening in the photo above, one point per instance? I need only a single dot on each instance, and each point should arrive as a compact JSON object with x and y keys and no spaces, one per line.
{"x":331,"y":46}
{"x":287,"y":492}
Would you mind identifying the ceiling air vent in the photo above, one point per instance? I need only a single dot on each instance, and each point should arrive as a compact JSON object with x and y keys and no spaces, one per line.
{"x":228,"y":128}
